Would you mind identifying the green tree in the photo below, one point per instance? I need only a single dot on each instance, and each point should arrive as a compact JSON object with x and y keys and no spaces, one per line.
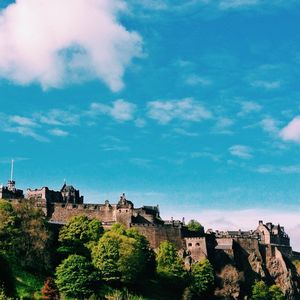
{"x":8,"y":227}
{"x":276,"y":292}
{"x":79,"y":235}
{"x":194,"y":225}
{"x":121,"y":255}
{"x":24,"y":235}
{"x":147,"y":253}
{"x":202,"y":281}
{"x":76,"y":277}
{"x":170,"y":266}
{"x":260,"y":291}
{"x":31,"y":245}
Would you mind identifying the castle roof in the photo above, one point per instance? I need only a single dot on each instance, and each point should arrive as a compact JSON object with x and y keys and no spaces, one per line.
{"x":67,"y":188}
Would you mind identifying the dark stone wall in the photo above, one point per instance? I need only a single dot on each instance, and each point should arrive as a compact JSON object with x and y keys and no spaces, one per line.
{"x":63,"y":212}
{"x":156,"y":234}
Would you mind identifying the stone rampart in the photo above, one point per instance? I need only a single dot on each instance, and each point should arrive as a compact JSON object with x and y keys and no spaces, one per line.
{"x":156,"y":234}
{"x":63,"y":212}
{"x":196,"y":247}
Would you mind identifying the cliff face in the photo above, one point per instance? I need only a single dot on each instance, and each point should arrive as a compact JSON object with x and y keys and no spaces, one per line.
{"x":284,"y":274}
{"x":252,"y":261}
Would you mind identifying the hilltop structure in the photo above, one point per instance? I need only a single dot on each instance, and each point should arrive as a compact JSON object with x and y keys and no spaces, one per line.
{"x":264,"y":252}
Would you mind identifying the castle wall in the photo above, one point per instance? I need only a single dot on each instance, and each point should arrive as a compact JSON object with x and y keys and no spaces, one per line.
{"x":196,"y":247}
{"x":104,"y":213}
{"x":124,"y":216}
{"x":156,"y":234}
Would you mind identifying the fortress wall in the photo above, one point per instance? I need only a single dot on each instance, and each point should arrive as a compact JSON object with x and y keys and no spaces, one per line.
{"x":285,"y":250}
{"x":197,"y":248}
{"x":156,"y":234}
{"x":248,"y":244}
{"x":62,"y":213}
{"x":123,"y":216}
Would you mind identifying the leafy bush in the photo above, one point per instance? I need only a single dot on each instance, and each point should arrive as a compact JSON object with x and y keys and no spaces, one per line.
{"x":122,"y":255}
{"x":79,"y":235}
{"x":202,"y":278}
{"x":76,"y":276}
{"x":170,"y":267}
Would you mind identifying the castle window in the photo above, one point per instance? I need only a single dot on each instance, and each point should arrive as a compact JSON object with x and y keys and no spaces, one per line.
{"x":119,"y":210}
{"x":197,"y":245}
{"x":190,"y":244}
{"x":126,"y":210}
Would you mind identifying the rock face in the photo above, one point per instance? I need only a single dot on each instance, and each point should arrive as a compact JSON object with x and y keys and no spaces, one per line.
{"x":254,"y":261}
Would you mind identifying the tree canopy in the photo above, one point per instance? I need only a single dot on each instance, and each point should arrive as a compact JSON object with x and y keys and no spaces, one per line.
{"x":194,"y":225}
{"x":260,"y":291}
{"x":79,"y":234}
{"x":76,"y":276}
{"x":24,"y":234}
{"x":202,"y":278}
{"x":122,"y":255}
{"x":169,"y":265}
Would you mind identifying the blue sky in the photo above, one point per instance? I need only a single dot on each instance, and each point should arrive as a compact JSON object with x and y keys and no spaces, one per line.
{"x":192,"y":105}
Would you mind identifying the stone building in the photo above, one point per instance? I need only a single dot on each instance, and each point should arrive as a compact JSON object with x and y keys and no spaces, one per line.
{"x":10,"y":191}
{"x":272,"y":234}
{"x":46,"y":198}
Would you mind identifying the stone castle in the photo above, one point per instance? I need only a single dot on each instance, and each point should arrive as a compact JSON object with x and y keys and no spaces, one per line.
{"x":264,"y":252}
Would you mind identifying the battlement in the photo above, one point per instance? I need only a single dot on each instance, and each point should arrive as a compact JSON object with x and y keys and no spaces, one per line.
{"x":251,"y":234}
{"x":87,"y":206}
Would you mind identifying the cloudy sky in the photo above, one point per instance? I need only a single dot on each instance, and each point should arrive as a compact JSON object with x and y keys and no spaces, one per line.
{"x":192,"y":105}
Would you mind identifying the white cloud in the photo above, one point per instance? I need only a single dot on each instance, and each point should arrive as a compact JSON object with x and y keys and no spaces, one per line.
{"x":229,"y":4}
{"x":58,"y":132}
{"x":268,"y":85}
{"x":58,"y":117}
{"x":288,"y":169}
{"x":223,"y":126}
{"x":22,"y":121}
{"x":184,"y":132}
{"x":291,"y":132}
{"x":194,"y":79}
{"x":241,"y":151}
{"x":120,"y":110}
{"x":26,"y":131}
{"x":269,"y":125}
{"x":186,"y":109}
{"x":248,"y":107}
{"x":140,"y":122}
{"x":60,"y":41}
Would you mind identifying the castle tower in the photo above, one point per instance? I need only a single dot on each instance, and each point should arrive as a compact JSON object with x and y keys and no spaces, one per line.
{"x":11,"y":184}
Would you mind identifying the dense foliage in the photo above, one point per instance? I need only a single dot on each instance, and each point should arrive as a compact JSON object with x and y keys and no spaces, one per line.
{"x":33,"y":239}
{"x":123,"y":255}
{"x":170,"y":267}
{"x":202,"y":278}
{"x":76,"y":276}
{"x":79,"y":235}
{"x":260,"y":291}
{"x":194,"y":225}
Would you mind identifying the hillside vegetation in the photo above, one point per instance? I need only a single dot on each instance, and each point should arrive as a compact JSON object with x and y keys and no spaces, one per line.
{"x":84,"y":261}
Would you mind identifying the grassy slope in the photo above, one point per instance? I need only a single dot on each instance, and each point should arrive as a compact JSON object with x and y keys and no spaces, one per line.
{"x":28,"y":285}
